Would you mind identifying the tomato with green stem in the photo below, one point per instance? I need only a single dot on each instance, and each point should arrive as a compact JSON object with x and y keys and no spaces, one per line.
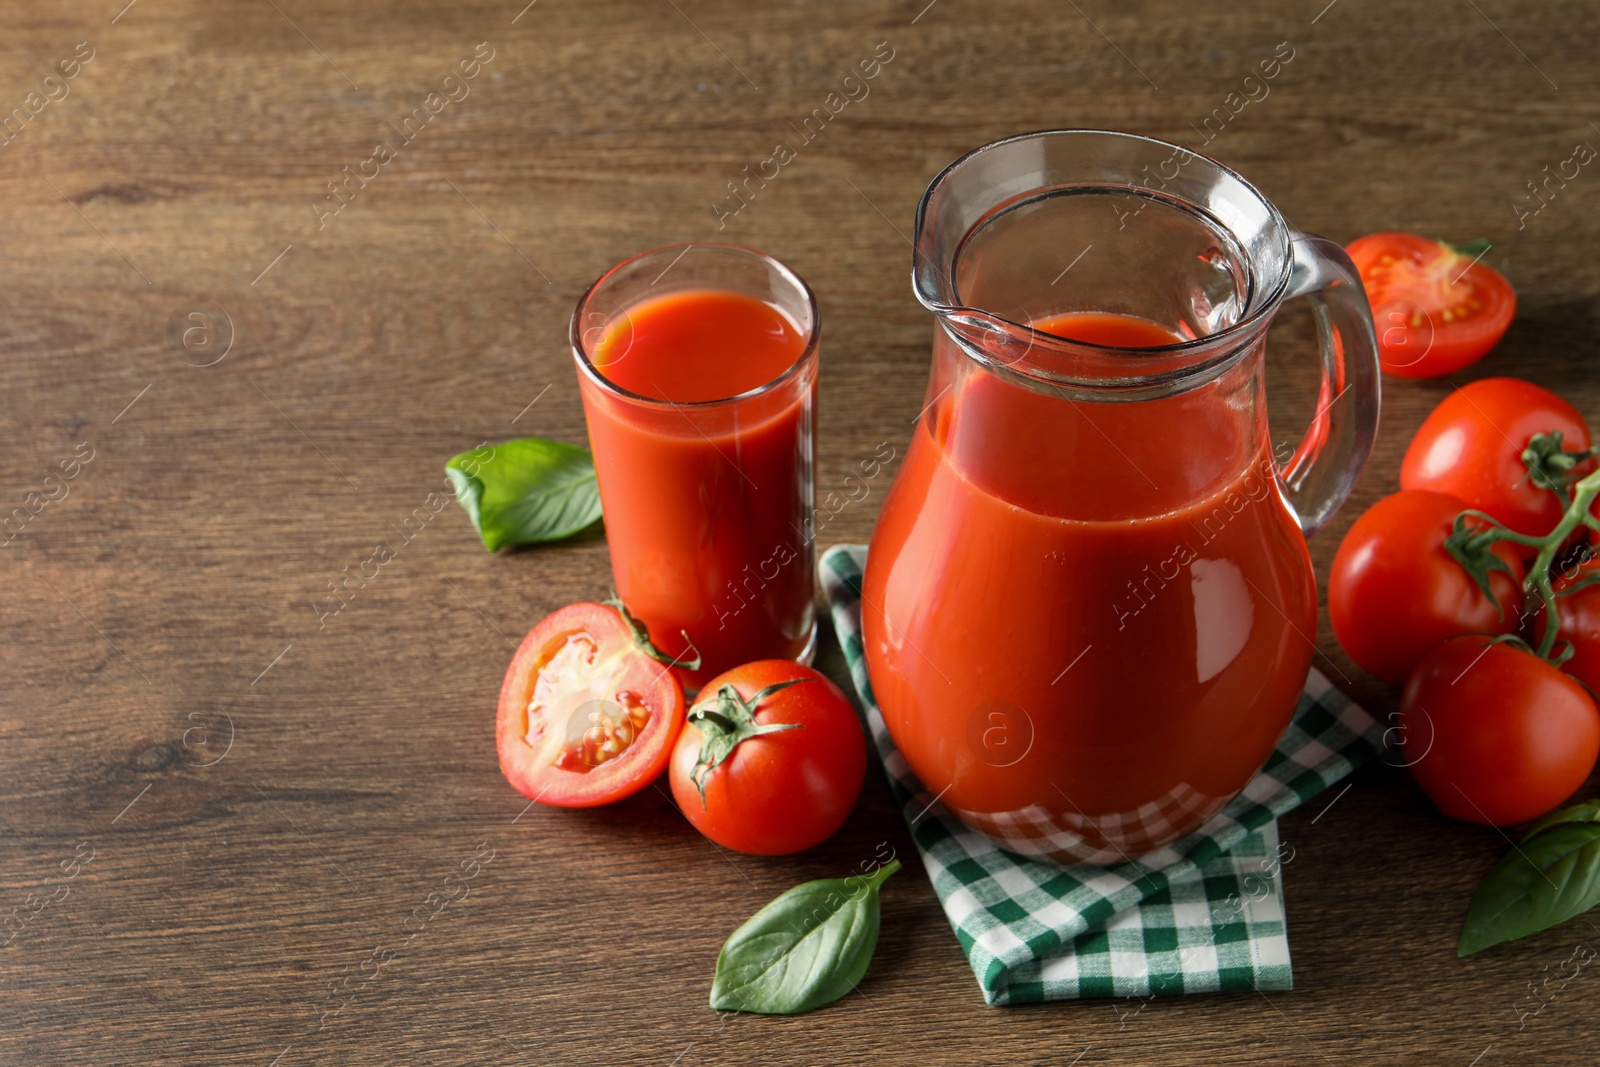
{"x":1506,"y":447}
{"x":1478,"y":538}
{"x":589,"y":709}
{"x":771,"y":759}
{"x":1395,"y":591}
{"x":1436,"y":309}
{"x":1495,"y":732}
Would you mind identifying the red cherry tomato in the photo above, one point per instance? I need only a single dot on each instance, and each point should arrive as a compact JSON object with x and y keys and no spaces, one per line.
{"x":1394,"y":592}
{"x":1435,"y":309}
{"x":1494,"y":734}
{"x":587,"y":714}
{"x":1470,"y":446}
{"x":777,"y":780}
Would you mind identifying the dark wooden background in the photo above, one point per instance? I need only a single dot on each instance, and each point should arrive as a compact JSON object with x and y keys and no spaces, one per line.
{"x":241,"y":870}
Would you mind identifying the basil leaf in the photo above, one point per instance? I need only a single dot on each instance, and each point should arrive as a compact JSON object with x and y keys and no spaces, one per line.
{"x":526,"y":491}
{"x":1588,"y":811}
{"x":1545,"y":881}
{"x":807,"y":948}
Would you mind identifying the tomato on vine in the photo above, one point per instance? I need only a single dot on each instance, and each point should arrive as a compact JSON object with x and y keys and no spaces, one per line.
{"x":1493,"y":733}
{"x":1577,"y":592}
{"x":1504,"y":446}
{"x":1395,"y":591}
{"x":1505,"y":735}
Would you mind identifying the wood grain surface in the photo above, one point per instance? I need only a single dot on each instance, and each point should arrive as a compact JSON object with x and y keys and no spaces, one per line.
{"x":268,"y":792}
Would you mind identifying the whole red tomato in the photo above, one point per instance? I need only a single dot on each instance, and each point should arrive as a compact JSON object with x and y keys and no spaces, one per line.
{"x":770,"y":760}
{"x":1494,"y":734}
{"x":1470,"y":446}
{"x":1394,"y":592}
{"x":1579,"y":613}
{"x":1436,"y":310}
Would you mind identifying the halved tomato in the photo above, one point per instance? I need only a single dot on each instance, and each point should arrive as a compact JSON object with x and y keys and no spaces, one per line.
{"x":589,"y":709}
{"x":1436,"y":309}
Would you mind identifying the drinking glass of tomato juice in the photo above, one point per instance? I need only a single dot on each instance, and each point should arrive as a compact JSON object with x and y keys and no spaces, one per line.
{"x":697,"y":365}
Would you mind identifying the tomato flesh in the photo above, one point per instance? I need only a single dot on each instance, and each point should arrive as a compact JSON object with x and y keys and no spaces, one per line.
{"x":1435,"y":310}
{"x":586,"y":716}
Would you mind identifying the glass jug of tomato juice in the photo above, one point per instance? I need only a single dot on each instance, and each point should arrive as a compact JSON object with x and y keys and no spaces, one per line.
{"x":1088,"y":608}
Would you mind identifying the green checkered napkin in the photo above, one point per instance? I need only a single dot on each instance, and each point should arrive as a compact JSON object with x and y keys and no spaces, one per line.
{"x":1203,"y":915}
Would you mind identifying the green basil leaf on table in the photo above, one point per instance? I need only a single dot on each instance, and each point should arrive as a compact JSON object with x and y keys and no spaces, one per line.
{"x":1588,"y":811}
{"x":808,"y":947}
{"x":526,"y":491}
{"x":1551,"y":877}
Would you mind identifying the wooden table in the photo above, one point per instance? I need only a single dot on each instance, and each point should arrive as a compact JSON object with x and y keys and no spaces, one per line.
{"x":267,"y":792}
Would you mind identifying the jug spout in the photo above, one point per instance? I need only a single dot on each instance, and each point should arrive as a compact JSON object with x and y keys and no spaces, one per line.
{"x":996,"y":340}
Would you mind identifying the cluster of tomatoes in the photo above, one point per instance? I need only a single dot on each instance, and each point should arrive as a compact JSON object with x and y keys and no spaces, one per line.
{"x":1443,"y":586}
{"x":769,"y":760}
{"x":1493,"y":731}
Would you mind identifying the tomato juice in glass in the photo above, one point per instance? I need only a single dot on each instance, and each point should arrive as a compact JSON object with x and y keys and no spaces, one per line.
{"x":1088,"y":610}
{"x":697,"y":367}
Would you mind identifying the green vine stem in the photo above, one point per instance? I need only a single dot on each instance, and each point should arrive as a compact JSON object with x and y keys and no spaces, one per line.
{"x":641,"y":638}
{"x":1471,"y":544}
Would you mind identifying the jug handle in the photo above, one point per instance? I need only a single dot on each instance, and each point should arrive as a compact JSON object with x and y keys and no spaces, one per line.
{"x":1323,"y":469}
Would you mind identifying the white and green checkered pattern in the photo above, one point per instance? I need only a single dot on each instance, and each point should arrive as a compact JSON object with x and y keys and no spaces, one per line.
{"x":1204,"y":915}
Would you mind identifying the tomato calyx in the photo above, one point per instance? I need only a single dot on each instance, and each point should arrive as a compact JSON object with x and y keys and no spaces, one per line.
{"x":1470,"y":249}
{"x":641,"y":637}
{"x":1551,"y":466}
{"x":727,"y":724}
{"x":1472,"y":547}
